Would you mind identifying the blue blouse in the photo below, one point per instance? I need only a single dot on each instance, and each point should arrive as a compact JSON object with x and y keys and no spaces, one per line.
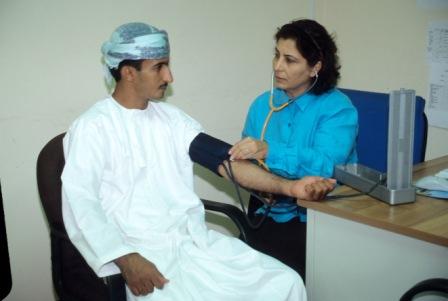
{"x":308,"y":137}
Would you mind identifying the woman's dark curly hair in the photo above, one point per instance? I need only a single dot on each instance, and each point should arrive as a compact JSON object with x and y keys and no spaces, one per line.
{"x":314,"y":44}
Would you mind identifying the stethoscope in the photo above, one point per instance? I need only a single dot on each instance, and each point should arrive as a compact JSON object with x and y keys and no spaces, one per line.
{"x":273,"y":108}
{"x":268,"y":200}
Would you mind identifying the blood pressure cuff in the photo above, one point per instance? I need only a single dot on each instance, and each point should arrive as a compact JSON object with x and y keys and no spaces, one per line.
{"x":209,"y":151}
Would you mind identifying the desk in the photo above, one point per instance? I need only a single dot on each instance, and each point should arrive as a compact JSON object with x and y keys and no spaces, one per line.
{"x":364,"y":249}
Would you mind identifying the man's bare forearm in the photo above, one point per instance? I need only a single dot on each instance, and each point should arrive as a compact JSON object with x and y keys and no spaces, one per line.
{"x":254,"y":177}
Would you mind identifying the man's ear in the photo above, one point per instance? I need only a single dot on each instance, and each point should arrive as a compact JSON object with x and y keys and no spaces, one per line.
{"x":128,"y":73}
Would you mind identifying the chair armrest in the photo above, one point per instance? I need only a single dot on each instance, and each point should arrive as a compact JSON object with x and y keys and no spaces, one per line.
{"x":116,"y":288}
{"x":234,"y":213}
{"x":428,"y":285}
{"x":114,"y":284}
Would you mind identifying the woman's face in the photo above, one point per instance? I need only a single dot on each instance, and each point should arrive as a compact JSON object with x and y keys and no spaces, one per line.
{"x":291,"y":69}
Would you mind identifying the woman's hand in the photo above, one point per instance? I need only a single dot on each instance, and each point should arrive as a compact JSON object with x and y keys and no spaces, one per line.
{"x":249,"y":148}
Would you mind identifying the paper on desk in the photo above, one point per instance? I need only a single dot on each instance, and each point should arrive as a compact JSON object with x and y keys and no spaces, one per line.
{"x":434,"y":186}
{"x":433,"y":193}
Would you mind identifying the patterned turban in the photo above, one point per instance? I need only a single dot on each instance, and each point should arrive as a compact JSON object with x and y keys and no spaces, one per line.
{"x":134,"y":41}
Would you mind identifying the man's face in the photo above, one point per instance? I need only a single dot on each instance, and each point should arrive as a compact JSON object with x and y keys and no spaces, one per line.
{"x":153,"y":78}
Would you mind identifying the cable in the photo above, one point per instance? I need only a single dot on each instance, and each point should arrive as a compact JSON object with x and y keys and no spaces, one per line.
{"x":269,"y":205}
{"x":343,"y":196}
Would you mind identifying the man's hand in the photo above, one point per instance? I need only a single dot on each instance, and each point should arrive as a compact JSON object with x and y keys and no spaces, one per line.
{"x":249,"y":148}
{"x":312,"y":188}
{"x":140,"y":274}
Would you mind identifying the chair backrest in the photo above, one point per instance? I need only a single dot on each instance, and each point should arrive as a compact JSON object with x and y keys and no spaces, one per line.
{"x":373,"y":113}
{"x":73,"y":279}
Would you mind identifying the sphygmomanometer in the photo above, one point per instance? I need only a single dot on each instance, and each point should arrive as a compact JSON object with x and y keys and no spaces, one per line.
{"x":211,"y":152}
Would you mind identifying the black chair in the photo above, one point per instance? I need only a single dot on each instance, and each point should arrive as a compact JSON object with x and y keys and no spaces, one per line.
{"x":434,"y":285}
{"x":6,"y":282}
{"x":73,"y":279}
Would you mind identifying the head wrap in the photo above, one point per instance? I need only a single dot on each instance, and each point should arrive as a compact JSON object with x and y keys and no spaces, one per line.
{"x":134,"y":41}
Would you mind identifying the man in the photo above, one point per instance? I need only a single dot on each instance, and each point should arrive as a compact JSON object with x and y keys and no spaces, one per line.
{"x":128,"y":199}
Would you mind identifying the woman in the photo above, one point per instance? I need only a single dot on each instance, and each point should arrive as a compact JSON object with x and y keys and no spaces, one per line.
{"x":303,"y":126}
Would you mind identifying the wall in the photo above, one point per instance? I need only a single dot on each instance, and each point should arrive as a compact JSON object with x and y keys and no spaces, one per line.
{"x":50,"y":73}
{"x":383,"y":47}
